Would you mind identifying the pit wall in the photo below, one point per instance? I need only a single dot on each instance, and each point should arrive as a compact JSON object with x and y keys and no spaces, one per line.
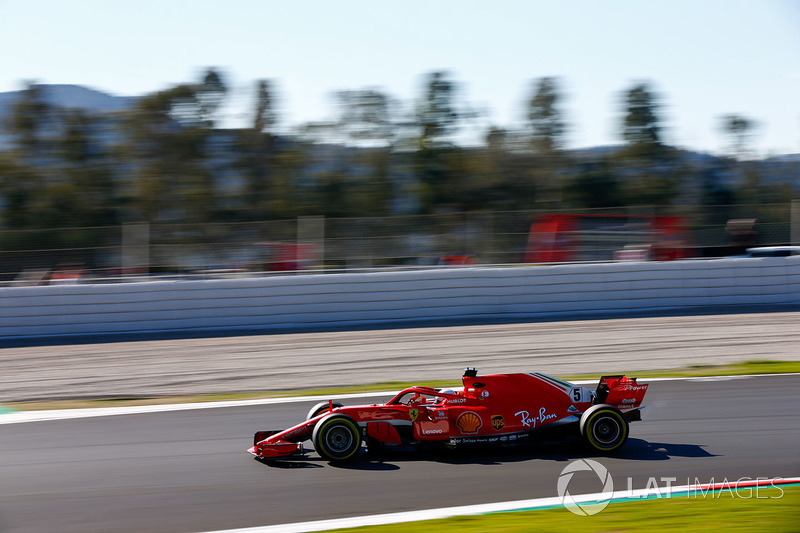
{"x":320,"y":300}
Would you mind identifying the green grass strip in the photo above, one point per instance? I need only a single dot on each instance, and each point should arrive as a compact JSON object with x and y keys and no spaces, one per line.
{"x":775,"y":510}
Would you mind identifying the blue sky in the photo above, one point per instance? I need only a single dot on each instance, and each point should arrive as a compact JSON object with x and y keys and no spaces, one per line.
{"x":705,"y":58}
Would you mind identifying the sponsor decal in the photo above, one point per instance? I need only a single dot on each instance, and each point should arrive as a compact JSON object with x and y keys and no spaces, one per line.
{"x":572,"y":409}
{"x":455,"y":401}
{"x":553,"y":382}
{"x":634,"y":387}
{"x":376,"y":415}
{"x":298,"y":431}
{"x":581,"y":395}
{"x":484,"y":394}
{"x":413,"y":414}
{"x":498,"y":422}
{"x":629,"y":400}
{"x":477,"y":440}
{"x":432,"y":431}
{"x":469,"y":422}
{"x":528,"y":421}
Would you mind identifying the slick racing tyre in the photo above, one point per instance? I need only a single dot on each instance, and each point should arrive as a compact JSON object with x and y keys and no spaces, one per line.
{"x":321,"y":407}
{"x":336,"y":437}
{"x":604,"y":428}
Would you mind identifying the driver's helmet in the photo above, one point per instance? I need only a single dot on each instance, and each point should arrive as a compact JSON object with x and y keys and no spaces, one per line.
{"x":445,"y":391}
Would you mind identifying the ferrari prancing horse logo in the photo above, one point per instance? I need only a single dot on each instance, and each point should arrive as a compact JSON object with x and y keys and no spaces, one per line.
{"x":413,"y":414}
{"x":498,"y":422}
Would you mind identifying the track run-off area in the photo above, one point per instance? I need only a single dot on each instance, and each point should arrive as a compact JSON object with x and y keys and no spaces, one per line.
{"x":108,"y":368}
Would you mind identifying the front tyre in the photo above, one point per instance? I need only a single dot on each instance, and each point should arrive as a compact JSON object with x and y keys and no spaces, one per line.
{"x":321,"y":407}
{"x":604,"y":428}
{"x":336,"y":437}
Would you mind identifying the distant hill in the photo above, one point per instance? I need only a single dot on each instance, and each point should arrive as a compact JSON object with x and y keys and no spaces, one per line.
{"x":68,"y":97}
{"x":72,"y":97}
{"x":787,"y":158}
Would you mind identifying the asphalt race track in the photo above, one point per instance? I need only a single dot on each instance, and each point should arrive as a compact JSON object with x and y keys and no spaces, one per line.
{"x":188,"y":470}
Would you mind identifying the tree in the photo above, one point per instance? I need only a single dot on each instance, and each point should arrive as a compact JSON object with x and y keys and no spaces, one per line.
{"x":545,"y":119}
{"x":59,"y":174}
{"x":265,"y":116}
{"x":437,"y":116}
{"x":365,"y":117}
{"x":648,"y":172}
{"x":367,"y":120}
{"x":739,"y":130}
{"x":437,"y":159}
{"x":546,"y":126}
{"x":21,"y":182}
{"x":751,"y":185}
{"x":257,"y":160}
{"x":496,"y":175}
{"x":85,"y":162}
{"x":595,"y":186}
{"x":28,"y":121}
{"x":19,"y":186}
{"x":210,"y":95}
{"x":715,"y":192}
{"x":641,"y":124}
{"x":167,"y":134}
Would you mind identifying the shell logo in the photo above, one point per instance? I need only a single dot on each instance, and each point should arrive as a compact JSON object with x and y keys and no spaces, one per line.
{"x":469,"y":422}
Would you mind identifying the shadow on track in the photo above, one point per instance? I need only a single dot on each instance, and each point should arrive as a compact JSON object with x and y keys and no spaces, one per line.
{"x":637,"y":449}
{"x":634,"y":450}
{"x":290,"y":464}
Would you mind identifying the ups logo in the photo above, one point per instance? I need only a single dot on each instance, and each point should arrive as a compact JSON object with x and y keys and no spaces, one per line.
{"x":498,"y":422}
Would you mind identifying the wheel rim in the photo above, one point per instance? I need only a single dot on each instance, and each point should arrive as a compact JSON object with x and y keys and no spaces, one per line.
{"x":338,"y":438}
{"x":606,"y":430}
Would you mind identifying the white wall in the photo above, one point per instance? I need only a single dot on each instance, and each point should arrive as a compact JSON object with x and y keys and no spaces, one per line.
{"x":329,"y":299}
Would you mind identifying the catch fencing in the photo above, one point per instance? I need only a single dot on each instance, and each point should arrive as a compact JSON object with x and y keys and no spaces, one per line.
{"x":32,"y":257}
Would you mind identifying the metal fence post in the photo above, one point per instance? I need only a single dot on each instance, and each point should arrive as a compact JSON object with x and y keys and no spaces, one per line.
{"x":311,"y":231}
{"x":136,"y":248}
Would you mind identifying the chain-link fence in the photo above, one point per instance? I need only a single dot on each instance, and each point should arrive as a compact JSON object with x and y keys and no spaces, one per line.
{"x":312,"y":243}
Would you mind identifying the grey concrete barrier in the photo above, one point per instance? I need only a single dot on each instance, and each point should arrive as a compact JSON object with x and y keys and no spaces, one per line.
{"x":346,"y":299}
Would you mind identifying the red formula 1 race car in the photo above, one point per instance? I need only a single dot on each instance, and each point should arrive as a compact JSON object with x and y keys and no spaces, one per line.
{"x":501,"y":409}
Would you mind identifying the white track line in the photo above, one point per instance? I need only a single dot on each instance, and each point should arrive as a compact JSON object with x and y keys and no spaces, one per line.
{"x":519,"y":505}
{"x":20,"y":417}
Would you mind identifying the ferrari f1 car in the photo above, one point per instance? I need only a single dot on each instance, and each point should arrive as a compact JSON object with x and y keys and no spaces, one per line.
{"x":501,"y":409}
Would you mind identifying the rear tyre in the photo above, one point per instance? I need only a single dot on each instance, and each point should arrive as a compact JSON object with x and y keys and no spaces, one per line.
{"x":336,"y":437}
{"x":604,"y":428}
{"x":321,"y":407}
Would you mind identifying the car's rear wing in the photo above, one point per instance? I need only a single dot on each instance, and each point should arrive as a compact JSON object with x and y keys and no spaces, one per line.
{"x":621,"y":391}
